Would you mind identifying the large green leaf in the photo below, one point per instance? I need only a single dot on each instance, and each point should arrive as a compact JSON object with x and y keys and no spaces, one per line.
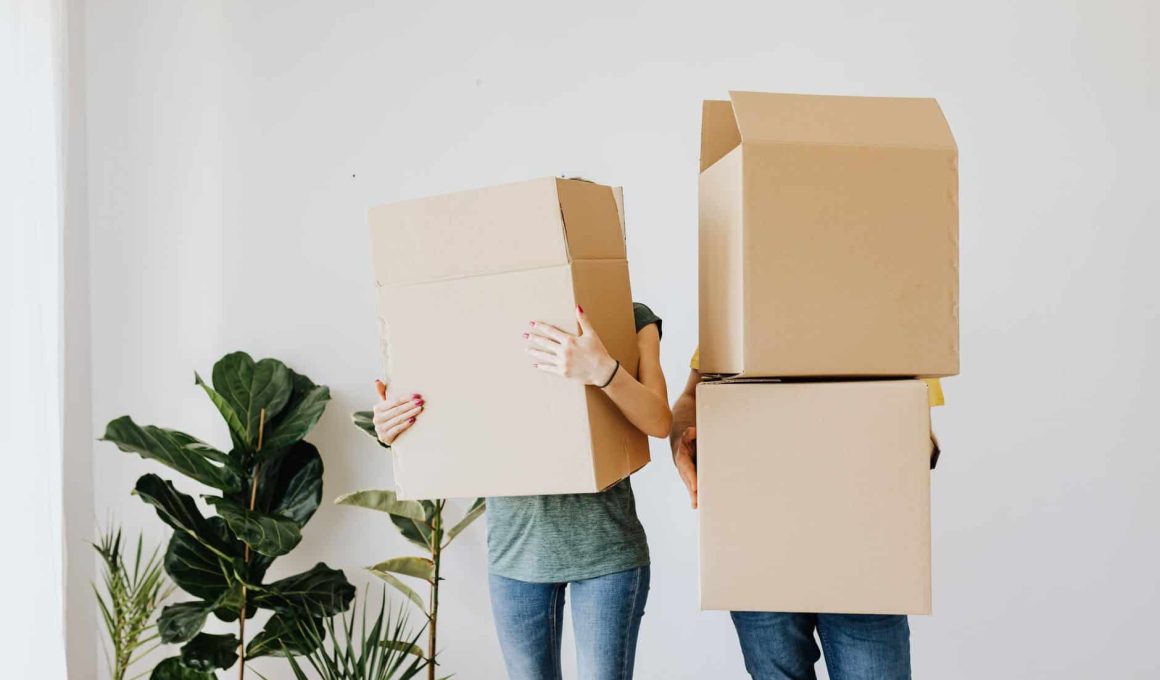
{"x":365,"y":421}
{"x":179,"y":511}
{"x":320,"y":591}
{"x":195,"y":568}
{"x":302,"y":411}
{"x":401,"y":587}
{"x":271,"y":535}
{"x":238,"y":432}
{"x":290,"y":482}
{"x":473,"y":513}
{"x":185,"y":454}
{"x":208,"y":652}
{"x":419,"y":567}
{"x":384,"y":501}
{"x":250,"y":387}
{"x":285,"y":636}
{"x":409,"y":516}
{"x":180,"y":622}
{"x":173,"y":669}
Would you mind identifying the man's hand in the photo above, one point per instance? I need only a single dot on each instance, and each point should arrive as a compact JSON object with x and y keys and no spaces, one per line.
{"x":685,"y":458}
{"x":683,"y":438}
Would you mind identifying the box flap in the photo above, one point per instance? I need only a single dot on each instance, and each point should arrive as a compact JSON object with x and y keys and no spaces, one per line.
{"x":511,"y":227}
{"x":618,"y":194}
{"x":719,"y":134}
{"x":592,"y":223}
{"x":838,"y":120}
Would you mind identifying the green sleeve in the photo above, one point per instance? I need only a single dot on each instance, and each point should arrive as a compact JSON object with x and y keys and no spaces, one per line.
{"x":645,"y":316}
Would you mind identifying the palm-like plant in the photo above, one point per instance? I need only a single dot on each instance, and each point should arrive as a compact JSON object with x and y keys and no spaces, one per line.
{"x":346,"y":649}
{"x":131,"y":597}
{"x":421,"y":523}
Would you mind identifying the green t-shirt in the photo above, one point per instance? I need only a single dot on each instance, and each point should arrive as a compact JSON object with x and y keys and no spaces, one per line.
{"x":568,"y":537}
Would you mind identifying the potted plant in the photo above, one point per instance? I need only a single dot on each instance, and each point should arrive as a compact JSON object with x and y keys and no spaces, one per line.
{"x":266,"y":487}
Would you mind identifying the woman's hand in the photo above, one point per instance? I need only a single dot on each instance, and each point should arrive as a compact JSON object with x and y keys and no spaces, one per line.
{"x":581,"y":357}
{"x":393,"y":416}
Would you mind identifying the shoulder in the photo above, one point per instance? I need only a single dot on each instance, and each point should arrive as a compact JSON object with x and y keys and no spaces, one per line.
{"x":645,"y":317}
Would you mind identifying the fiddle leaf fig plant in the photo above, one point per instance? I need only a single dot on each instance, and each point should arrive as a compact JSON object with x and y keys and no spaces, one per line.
{"x":422,"y":523}
{"x":265,"y":489}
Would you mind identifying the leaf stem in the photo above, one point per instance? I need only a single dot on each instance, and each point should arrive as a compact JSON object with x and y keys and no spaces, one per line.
{"x":436,"y":558}
{"x":253,"y":504}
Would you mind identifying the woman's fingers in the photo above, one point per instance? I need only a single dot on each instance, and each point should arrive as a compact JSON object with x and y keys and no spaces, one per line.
{"x":541,"y":356}
{"x":401,"y":417}
{"x":542,"y":342}
{"x":392,"y":434}
{"x":547,"y":330}
{"x":385,"y":410}
{"x":391,"y":416}
{"x":548,"y":368}
{"x":390,"y":429}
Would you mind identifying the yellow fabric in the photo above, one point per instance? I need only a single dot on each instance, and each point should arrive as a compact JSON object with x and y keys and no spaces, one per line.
{"x":933,"y":385}
{"x":934,"y":388}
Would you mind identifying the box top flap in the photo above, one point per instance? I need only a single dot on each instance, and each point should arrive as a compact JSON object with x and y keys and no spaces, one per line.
{"x":840,"y":120}
{"x":511,"y":227}
{"x":719,"y":134}
{"x":592,"y":223}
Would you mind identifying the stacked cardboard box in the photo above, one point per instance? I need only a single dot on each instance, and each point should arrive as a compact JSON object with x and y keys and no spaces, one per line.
{"x":828,"y":283}
{"x":459,"y":277}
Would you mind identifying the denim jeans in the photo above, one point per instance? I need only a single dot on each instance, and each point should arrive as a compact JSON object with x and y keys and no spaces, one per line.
{"x":780,"y":646}
{"x":606,"y":613}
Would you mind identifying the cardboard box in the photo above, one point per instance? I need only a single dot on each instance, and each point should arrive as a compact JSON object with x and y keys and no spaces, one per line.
{"x":459,"y":278}
{"x":815,"y":496}
{"x":828,"y":237}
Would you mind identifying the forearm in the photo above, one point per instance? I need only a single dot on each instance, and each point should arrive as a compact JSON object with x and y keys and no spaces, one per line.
{"x":644,"y":408}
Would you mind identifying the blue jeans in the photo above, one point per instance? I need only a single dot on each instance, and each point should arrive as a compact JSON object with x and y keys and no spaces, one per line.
{"x":780,"y":646}
{"x":606,"y":613}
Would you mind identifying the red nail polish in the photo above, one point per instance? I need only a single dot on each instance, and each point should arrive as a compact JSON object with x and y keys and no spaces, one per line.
{"x":580,"y":308}
{"x":416,"y":396}
{"x":411,"y":420}
{"x":525,"y":336}
{"x":418,"y":402}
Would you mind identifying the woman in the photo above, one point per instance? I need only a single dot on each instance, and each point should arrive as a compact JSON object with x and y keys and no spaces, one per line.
{"x":592,"y":544}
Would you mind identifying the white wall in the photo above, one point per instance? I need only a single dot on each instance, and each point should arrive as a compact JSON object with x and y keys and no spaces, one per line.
{"x":234,"y":149}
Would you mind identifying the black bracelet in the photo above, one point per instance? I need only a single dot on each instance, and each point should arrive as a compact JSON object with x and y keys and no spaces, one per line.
{"x":609,"y":381}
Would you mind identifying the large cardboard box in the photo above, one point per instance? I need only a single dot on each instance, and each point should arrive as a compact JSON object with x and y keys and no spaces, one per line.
{"x":828,"y":237}
{"x":815,"y":496}
{"x":459,"y":278}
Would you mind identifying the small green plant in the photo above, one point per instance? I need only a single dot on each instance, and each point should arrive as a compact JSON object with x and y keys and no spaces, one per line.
{"x":132,"y":592}
{"x":267,"y":487}
{"x":350,"y":650}
{"x":421,"y":523}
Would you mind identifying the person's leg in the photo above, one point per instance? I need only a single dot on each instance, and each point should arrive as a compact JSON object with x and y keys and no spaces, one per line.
{"x":777,"y":645}
{"x":529,"y":618}
{"x":865,"y":646}
{"x":606,"y":614}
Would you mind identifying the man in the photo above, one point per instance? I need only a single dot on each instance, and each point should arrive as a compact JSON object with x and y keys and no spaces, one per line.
{"x":780,"y":645}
